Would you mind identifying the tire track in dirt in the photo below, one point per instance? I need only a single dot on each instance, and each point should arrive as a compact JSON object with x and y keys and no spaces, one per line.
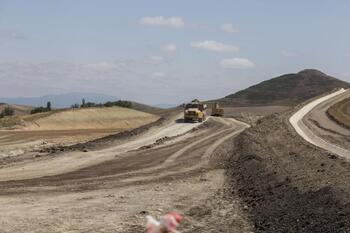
{"x":116,"y":193}
{"x":72,"y":161}
{"x":142,"y":166}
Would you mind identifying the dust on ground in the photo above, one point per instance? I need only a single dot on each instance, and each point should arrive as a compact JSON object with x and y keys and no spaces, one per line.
{"x":185,"y":174}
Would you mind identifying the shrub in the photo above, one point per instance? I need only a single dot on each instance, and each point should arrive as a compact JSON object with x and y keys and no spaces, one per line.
{"x":120,"y":103}
{"x":40,"y":110}
{"x":7,"y":111}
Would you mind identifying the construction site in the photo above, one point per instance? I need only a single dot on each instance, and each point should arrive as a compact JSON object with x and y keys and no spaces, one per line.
{"x":174,"y":117}
{"x":249,"y":173}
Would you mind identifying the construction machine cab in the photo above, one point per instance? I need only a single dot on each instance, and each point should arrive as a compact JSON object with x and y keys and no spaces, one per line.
{"x":194,"y":111}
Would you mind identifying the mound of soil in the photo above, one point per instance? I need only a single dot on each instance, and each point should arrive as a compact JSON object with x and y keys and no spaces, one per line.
{"x":287,"y":184}
{"x":105,"y":141}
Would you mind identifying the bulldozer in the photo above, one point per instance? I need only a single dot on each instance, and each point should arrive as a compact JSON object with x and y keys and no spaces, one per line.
{"x":217,"y":111}
{"x":194,"y":111}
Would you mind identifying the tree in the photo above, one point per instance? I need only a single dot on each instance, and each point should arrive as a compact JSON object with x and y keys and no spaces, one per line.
{"x":48,"y":106}
{"x":83,"y":103}
{"x":74,"y":106}
{"x":7,"y":111}
{"x":42,"y":109}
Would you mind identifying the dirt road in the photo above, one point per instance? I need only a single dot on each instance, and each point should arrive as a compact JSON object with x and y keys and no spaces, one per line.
{"x":111,"y":190}
{"x":312,"y":123}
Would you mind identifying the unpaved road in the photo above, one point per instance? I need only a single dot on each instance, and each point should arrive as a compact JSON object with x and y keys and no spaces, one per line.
{"x":316,"y":111}
{"x":110,"y":190}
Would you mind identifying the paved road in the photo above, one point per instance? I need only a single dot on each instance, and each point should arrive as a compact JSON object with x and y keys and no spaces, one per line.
{"x":305,"y":132}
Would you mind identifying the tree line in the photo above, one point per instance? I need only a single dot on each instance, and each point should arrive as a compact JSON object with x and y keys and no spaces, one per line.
{"x":8,"y":111}
{"x":118,"y":103}
{"x":42,"y":109}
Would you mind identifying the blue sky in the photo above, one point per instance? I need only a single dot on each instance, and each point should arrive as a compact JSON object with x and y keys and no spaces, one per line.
{"x":166,"y":51}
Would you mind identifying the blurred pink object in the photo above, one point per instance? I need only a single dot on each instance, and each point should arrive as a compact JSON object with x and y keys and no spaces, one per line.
{"x":167,"y":224}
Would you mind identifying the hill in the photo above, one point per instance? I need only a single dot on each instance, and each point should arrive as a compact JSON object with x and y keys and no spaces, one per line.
{"x":285,"y":90}
{"x":145,"y":108}
{"x":87,"y":118}
{"x":19,"y":109}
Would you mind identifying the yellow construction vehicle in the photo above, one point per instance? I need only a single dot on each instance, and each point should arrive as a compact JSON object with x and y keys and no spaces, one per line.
{"x":217,"y":111}
{"x":194,"y":111}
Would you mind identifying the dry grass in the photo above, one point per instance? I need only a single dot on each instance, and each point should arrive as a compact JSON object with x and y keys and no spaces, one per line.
{"x":80,"y":119}
{"x":339,"y":112}
{"x":8,"y":122}
{"x":19,"y":109}
{"x":89,"y":118}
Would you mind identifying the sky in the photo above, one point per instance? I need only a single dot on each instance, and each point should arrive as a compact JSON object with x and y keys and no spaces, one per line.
{"x":163,"y":51}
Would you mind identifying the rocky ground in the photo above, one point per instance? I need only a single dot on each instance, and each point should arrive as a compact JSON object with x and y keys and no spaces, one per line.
{"x":287,"y":184}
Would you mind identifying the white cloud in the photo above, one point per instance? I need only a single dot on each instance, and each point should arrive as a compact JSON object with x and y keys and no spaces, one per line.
{"x":159,"y":74}
{"x":101,"y":66}
{"x":229,"y":28}
{"x":214,"y":46}
{"x":288,"y":53}
{"x":160,"y":21}
{"x":154,"y":60}
{"x":236,"y":63}
{"x":171,"y":48}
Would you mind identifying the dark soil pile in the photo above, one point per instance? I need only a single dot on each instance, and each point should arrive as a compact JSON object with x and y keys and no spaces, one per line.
{"x":286,"y":184}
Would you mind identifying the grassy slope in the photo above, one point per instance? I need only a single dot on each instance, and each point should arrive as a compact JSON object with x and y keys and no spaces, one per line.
{"x":90,"y":118}
{"x":339,"y":112}
{"x":19,"y":109}
{"x":87,"y":118}
{"x":145,"y":108}
{"x":285,"y":90}
{"x":22,"y":114}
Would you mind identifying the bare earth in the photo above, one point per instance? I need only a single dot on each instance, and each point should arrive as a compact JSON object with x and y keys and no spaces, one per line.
{"x":255,"y":111}
{"x":69,"y":127}
{"x":112,"y":189}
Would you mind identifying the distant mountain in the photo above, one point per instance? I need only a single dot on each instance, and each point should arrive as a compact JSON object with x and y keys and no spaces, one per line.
{"x":286,"y":90}
{"x":60,"y":101}
{"x":166,"y":105}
